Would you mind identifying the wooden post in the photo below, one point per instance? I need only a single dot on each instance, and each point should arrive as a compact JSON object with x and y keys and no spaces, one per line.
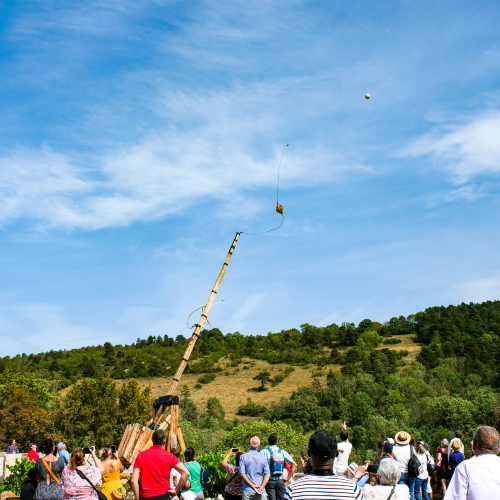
{"x":189,"y":349}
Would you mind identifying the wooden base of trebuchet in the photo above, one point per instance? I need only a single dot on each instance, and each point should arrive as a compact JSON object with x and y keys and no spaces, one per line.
{"x":137,"y":438}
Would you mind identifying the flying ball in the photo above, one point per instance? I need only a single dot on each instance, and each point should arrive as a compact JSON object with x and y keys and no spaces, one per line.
{"x":367,"y":96}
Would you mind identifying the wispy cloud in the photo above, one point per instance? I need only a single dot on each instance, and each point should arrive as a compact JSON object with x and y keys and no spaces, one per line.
{"x":211,"y":154}
{"x":478,"y":290}
{"x":466,"y":150}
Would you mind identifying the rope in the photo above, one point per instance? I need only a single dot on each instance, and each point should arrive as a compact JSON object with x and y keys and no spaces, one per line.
{"x":279,"y":208}
{"x":206,"y":320}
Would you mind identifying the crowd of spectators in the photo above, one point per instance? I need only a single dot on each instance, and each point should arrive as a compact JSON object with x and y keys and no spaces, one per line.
{"x":403,"y":470}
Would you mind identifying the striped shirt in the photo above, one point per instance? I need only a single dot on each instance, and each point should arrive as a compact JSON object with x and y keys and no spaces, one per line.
{"x":313,"y":487}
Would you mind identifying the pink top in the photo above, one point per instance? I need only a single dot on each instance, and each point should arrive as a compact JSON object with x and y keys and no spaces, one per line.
{"x":76,"y":488}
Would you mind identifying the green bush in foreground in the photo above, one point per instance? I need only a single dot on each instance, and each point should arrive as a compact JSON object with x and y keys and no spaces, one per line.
{"x":18,"y":472}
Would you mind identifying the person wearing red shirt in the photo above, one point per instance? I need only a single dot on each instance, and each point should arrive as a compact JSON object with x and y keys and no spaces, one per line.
{"x":153,"y":467}
{"x":33,"y":454}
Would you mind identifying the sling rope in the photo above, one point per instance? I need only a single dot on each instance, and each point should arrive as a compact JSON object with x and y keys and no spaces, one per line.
{"x":279,"y":208}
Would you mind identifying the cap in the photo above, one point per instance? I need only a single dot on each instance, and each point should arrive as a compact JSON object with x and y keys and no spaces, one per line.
{"x":390,"y":440}
{"x":31,"y":444}
{"x":425,"y":445}
{"x":388,"y":447}
{"x":60,"y":445}
{"x":323,"y":445}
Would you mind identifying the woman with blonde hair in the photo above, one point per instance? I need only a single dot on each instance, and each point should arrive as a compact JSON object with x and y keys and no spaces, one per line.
{"x":80,"y":479}
{"x":110,"y":468}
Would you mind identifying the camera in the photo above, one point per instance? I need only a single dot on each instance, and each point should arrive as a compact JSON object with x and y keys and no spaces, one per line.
{"x":87,"y":449}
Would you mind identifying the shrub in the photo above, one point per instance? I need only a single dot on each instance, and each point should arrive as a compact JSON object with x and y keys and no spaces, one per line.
{"x":18,"y":472}
{"x":207,"y":378}
{"x":392,"y":341}
{"x":251,"y":409}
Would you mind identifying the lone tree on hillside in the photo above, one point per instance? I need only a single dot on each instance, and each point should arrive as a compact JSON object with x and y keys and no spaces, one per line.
{"x":264,"y":377}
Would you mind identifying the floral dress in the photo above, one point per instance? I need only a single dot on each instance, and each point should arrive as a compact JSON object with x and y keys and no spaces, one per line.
{"x":235,"y":486}
{"x":51,"y":491}
{"x":76,"y":488}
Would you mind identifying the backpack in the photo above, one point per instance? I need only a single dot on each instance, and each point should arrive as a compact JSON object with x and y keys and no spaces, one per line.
{"x":204,"y":477}
{"x":413,"y":464}
{"x":277,"y":464}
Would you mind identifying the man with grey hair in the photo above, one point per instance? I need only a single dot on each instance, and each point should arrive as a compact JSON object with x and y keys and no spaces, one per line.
{"x":479,"y":477}
{"x":254,"y":472}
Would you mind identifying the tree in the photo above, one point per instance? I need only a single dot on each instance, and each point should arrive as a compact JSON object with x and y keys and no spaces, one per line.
{"x":38,"y":388}
{"x":20,"y":418}
{"x":264,"y":377}
{"x":134,"y":405}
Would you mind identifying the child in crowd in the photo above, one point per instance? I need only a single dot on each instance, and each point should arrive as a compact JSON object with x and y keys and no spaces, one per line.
{"x":456,"y":456}
{"x":187,"y":494}
{"x":29,"y":486}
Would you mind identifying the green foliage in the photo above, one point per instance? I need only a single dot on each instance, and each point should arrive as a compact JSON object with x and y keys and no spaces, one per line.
{"x":213,"y":463}
{"x":392,"y":341}
{"x":18,"y":471}
{"x":207,"y":378}
{"x":251,"y":409}
{"x":289,"y":439}
{"x":37,"y":387}
{"x":20,"y":418}
{"x":277,"y":379}
{"x":263,"y":377}
{"x":96,"y":412}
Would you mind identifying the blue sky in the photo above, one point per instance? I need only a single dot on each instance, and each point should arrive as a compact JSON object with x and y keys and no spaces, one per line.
{"x":137,"y":137}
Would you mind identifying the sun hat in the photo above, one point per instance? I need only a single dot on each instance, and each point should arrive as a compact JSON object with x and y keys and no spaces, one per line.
{"x":403,"y":438}
{"x":456,"y":445}
{"x":323,"y":445}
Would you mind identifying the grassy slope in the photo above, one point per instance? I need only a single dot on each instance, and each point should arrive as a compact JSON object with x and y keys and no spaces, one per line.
{"x":231,"y":386}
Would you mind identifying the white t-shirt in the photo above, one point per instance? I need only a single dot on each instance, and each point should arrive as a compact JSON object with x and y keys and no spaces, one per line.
{"x":402,"y":456}
{"x":342,"y":460}
{"x":422,"y":458}
{"x":173,"y":473}
{"x":187,"y":495}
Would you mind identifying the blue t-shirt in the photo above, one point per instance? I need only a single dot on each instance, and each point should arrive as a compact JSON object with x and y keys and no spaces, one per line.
{"x":255,"y":467}
{"x":65,"y":456}
{"x":455,"y":458}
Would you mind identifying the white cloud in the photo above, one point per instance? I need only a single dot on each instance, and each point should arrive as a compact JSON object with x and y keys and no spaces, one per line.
{"x":466,"y":150}
{"x":478,"y":290}
{"x":214,"y":152}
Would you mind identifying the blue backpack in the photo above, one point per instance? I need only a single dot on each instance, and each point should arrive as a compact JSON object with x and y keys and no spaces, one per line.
{"x":277,"y":465}
{"x":204,"y":477}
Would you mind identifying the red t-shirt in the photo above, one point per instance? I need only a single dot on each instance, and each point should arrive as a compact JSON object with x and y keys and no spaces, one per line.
{"x":155,"y":464}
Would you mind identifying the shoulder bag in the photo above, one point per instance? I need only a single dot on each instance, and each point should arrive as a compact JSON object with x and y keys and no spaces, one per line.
{"x":413,"y":464}
{"x":49,"y":468}
{"x":392,"y":492}
{"x":226,"y":484}
{"x":100,"y":495}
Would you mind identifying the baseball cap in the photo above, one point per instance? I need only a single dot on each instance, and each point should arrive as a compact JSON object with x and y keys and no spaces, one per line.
{"x":425,"y":445}
{"x":323,"y":445}
{"x":388,"y":447}
{"x":390,"y":440}
{"x":60,"y":445}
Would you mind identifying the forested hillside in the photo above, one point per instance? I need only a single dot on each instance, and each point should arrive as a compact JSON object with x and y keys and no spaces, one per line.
{"x":359,"y":374}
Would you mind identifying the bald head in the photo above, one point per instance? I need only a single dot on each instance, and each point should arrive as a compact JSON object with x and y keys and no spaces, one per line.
{"x":486,"y":440}
{"x":254,"y":443}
